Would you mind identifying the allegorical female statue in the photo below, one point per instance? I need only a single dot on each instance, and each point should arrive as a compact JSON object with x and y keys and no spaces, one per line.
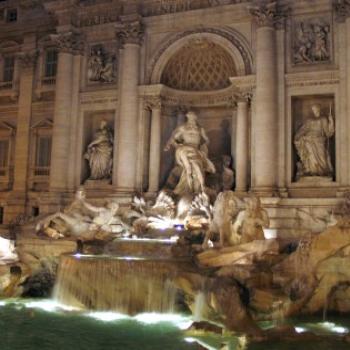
{"x":191,"y":154}
{"x":312,"y":144}
{"x":99,"y":153}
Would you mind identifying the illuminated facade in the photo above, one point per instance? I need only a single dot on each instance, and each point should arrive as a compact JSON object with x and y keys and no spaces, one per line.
{"x":252,"y":72}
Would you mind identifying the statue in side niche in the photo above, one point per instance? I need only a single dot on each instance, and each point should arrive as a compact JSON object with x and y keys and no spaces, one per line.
{"x":100,"y":153}
{"x":228,"y":175}
{"x":250,"y":223}
{"x":312,"y":144}
{"x":191,"y":154}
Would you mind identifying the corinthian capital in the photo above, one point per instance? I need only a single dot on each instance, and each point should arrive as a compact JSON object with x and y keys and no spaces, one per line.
{"x":70,"y":42}
{"x":27,"y":59}
{"x":130,"y":29}
{"x":268,"y":14}
{"x":153,"y":102}
{"x":341,"y":9}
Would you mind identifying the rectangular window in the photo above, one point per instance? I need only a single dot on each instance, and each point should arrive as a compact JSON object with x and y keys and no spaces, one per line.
{"x":9,"y":67}
{"x":51,"y":63}
{"x":43,"y":155}
{"x":11,"y":15}
{"x":4,"y":157}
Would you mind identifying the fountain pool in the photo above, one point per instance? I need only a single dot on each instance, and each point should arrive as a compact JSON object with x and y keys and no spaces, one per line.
{"x":47,"y":325}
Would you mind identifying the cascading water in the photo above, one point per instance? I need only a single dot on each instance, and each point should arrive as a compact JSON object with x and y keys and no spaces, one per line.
{"x":123,"y":284}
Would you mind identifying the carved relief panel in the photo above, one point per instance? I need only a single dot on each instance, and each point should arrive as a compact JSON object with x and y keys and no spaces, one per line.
{"x":311,"y":41}
{"x":101,"y":64}
{"x":313,"y":138}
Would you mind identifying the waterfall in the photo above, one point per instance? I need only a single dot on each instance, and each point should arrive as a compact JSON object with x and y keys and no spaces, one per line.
{"x":121,"y":284}
{"x":199,"y":305}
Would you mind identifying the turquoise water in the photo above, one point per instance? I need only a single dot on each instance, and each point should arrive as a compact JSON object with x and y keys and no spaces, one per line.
{"x":27,"y":325}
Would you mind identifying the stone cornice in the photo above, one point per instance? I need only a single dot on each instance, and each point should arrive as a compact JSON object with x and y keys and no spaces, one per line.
{"x":174,"y":98}
{"x":130,"y":30}
{"x":312,"y":78}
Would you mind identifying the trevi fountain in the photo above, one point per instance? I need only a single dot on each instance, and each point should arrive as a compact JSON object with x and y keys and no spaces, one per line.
{"x":192,"y":188}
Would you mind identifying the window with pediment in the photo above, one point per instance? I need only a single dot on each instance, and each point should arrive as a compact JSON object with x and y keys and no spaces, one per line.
{"x":199,"y":66}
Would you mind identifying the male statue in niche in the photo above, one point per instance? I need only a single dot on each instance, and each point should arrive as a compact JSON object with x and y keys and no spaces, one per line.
{"x":191,"y":154}
{"x":312,"y":144}
{"x":99,"y":153}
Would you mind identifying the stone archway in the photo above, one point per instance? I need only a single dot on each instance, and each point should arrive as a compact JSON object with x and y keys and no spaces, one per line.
{"x":232,"y":42}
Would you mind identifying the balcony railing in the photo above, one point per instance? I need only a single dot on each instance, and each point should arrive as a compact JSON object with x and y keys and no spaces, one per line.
{"x":6,"y":85}
{"x":42,"y":171}
{"x":48,"y":81}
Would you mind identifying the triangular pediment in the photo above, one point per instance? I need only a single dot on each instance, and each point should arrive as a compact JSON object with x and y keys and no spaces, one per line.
{"x":43,"y":124}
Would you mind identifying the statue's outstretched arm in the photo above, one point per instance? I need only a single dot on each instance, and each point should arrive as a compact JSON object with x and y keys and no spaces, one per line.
{"x":92,"y":207}
{"x":204,"y":136}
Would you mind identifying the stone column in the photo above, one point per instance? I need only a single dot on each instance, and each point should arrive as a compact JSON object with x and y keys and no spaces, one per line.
{"x":155,"y":144}
{"x":27,"y":62}
{"x":342,"y":17}
{"x":242,"y":145}
{"x":348,"y":76}
{"x":129,"y":33}
{"x":265,"y":120}
{"x":68,"y":44}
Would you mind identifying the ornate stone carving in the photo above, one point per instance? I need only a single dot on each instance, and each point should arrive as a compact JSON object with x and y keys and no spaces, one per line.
{"x":311,"y":41}
{"x":130,"y":30}
{"x":172,"y":6}
{"x":250,"y":222}
{"x":268,"y":14}
{"x":70,"y":42}
{"x":152,"y":102}
{"x":27,"y":59}
{"x":99,"y":153}
{"x":191,"y":153}
{"x":341,"y":9}
{"x":312,"y":145}
{"x":83,"y":221}
{"x":101,"y":65}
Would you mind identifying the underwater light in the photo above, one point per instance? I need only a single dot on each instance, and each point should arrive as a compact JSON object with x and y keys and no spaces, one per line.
{"x":300,"y":329}
{"x":45,"y":305}
{"x":179,"y":227}
{"x":179,"y":321}
{"x":49,"y":306}
{"x":107,"y":316}
{"x":190,"y":340}
{"x":333,"y":327}
{"x":201,"y":343}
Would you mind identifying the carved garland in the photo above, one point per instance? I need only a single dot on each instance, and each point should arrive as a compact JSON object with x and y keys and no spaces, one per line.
{"x":247,"y":59}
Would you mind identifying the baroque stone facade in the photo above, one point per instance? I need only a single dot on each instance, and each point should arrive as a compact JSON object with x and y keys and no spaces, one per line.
{"x":251,"y":71}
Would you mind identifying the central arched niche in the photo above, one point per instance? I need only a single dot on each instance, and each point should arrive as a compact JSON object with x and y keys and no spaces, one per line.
{"x":196,"y":65}
{"x":199,"y":65}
